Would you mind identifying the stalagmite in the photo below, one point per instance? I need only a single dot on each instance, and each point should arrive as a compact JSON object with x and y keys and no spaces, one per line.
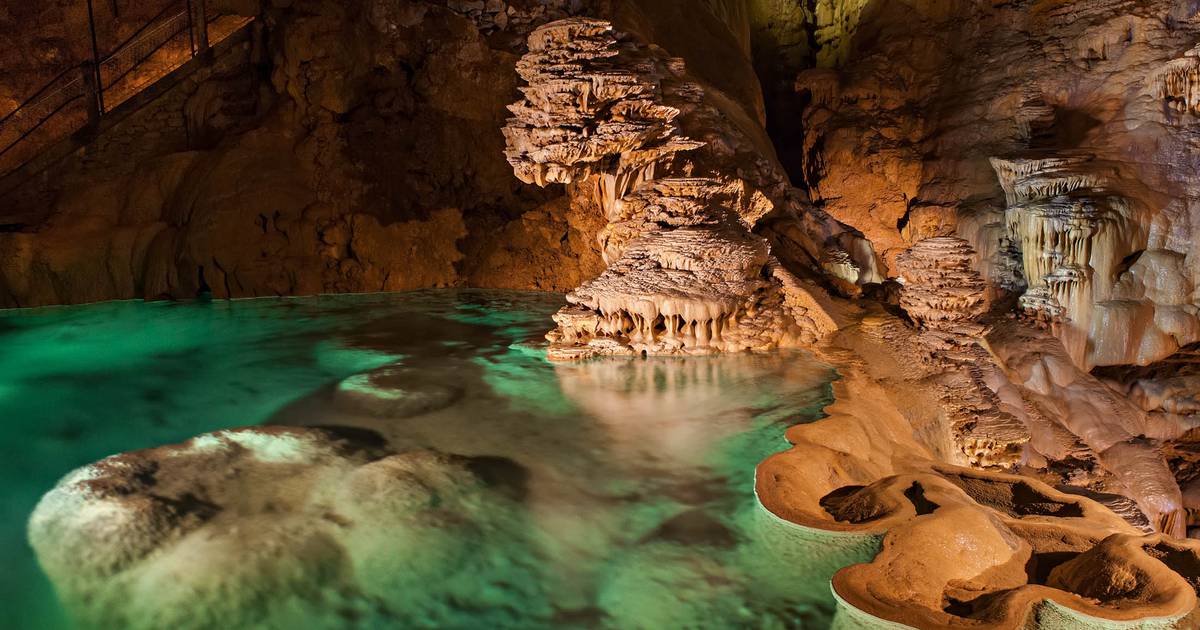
{"x":945,"y":297}
{"x":941,"y":286}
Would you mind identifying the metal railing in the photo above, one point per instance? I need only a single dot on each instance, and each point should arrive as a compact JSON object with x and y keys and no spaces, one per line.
{"x":50,"y":100}
{"x":128,"y":55}
{"x":87,"y":84}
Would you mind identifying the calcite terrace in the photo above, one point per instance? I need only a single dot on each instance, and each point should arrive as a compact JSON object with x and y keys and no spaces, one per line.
{"x":966,"y":547}
{"x":685,"y":273}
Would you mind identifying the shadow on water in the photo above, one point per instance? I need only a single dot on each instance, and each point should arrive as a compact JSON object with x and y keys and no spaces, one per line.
{"x":629,"y":483}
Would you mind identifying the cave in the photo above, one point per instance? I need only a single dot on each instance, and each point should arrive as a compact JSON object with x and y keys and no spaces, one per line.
{"x":600,"y":314}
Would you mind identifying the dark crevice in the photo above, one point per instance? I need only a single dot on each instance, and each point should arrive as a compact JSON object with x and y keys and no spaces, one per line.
{"x":902,"y":222}
{"x":694,"y":527}
{"x":202,"y":287}
{"x":501,"y":474}
{"x":1126,"y":263}
{"x":780,"y":51}
{"x":1040,"y":565}
{"x":916,"y":494}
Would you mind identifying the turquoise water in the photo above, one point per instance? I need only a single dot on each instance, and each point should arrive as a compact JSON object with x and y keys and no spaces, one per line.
{"x":637,"y":507}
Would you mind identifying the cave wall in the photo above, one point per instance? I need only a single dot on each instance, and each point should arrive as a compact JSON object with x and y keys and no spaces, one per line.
{"x":47,"y":37}
{"x":358,"y":151}
{"x":357,"y":148}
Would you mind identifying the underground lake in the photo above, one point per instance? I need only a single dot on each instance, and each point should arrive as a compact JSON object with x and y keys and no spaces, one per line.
{"x":523,"y":493}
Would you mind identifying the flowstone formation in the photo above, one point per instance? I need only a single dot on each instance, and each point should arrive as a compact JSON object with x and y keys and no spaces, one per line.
{"x":1086,"y":252}
{"x":612,"y":119}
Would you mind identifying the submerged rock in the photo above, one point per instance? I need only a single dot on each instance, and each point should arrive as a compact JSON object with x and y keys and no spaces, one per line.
{"x":269,"y":527}
{"x":394,"y":392}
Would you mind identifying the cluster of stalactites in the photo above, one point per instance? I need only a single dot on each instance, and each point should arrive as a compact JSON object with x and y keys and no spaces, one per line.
{"x":1081,"y":238}
{"x":1026,"y":179}
{"x":1060,"y":233}
{"x":941,"y":286}
{"x":1069,"y":227}
{"x":1177,"y":83}
{"x":682,"y":290}
{"x":619,"y":323}
{"x":637,"y":326}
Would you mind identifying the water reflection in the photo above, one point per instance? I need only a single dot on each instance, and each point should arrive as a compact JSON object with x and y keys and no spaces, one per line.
{"x":675,"y":413}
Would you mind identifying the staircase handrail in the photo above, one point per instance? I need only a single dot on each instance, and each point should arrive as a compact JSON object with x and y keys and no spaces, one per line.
{"x":180,"y":21}
{"x":84,"y":79}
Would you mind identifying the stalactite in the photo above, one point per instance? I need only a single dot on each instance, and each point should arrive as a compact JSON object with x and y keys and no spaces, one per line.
{"x":1177,"y":83}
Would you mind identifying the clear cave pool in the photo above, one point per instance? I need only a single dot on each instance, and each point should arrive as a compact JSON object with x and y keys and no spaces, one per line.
{"x":638,"y":499}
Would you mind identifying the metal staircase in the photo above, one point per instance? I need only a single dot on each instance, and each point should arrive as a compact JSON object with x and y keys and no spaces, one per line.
{"x":81,"y":95}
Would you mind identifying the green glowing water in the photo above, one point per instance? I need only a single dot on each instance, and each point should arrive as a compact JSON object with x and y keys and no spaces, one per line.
{"x":640,"y":495}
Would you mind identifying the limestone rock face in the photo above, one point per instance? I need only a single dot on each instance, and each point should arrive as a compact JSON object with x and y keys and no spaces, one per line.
{"x":364,"y":155}
{"x":610,"y":117}
{"x":46,"y":38}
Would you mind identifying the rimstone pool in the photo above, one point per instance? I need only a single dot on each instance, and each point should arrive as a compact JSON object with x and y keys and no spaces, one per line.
{"x":603,"y":494}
